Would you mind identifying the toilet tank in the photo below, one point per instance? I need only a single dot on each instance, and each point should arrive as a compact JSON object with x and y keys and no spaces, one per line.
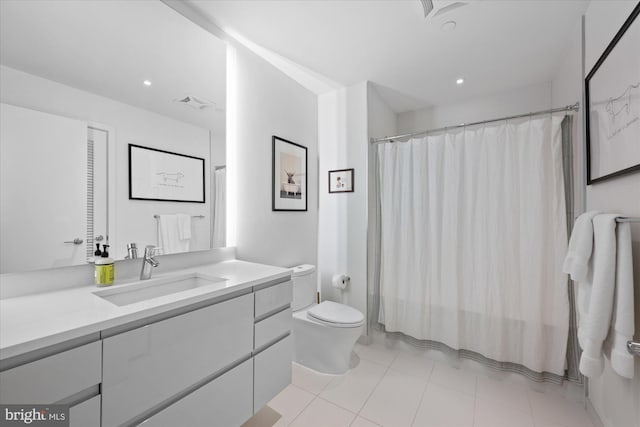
{"x":304,"y":286}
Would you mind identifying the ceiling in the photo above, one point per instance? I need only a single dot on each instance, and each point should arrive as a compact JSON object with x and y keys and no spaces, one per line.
{"x":110,"y":47}
{"x":497,"y":45}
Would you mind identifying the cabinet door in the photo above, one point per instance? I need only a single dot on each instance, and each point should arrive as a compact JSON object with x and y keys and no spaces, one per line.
{"x":85,"y":414}
{"x":148,"y":365}
{"x":224,"y":402}
{"x":52,"y":378}
{"x":272,"y":372}
{"x":271,"y":328}
{"x":273,"y":298}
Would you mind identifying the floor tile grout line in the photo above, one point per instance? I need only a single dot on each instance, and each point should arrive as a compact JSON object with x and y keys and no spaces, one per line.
{"x":355,"y":415}
{"x":424,"y":390}
{"x":375,"y":387}
{"x":305,"y":407}
{"x":365,"y":418}
{"x":475,"y":401}
{"x":314,"y":373}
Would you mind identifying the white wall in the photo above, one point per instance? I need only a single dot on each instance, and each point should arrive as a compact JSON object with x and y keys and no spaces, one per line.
{"x":517,"y":101}
{"x":347,"y":118}
{"x":342,"y":225}
{"x":218,"y":150}
{"x":616,"y":400}
{"x":134,"y":218}
{"x":267,"y":103}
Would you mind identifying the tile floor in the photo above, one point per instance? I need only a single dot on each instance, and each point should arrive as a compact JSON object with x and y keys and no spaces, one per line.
{"x":393,"y":387}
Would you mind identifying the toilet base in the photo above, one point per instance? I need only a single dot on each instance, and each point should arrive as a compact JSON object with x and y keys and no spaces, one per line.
{"x":323,"y":348}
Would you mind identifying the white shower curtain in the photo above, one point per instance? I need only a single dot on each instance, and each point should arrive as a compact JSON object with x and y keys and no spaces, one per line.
{"x":473,"y":233}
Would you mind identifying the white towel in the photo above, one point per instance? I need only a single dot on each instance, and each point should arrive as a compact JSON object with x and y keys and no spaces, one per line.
{"x":577,"y":264}
{"x":580,"y":246}
{"x":184,"y":226}
{"x":595,"y":323}
{"x":169,"y":235}
{"x":622,"y":323}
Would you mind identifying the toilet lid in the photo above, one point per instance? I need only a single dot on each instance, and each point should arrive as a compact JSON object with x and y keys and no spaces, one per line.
{"x":333,"y":312}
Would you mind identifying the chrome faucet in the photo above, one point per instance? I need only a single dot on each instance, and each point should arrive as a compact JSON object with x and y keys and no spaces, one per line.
{"x":148,"y":262}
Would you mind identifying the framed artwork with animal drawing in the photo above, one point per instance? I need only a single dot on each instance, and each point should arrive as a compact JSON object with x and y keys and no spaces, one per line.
{"x":165,"y":176}
{"x":612,"y":90}
{"x":289,"y":176}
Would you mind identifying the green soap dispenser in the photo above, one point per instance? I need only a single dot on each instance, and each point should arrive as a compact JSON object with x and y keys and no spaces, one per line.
{"x":105,"y":270}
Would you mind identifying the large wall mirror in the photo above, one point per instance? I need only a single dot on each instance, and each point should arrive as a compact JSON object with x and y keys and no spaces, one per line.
{"x":79,"y":82}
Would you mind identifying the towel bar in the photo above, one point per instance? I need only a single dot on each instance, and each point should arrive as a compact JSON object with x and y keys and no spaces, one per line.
{"x":633,"y":347}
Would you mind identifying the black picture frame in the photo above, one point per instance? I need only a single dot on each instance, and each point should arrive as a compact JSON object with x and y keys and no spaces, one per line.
{"x":165,"y":176}
{"x":341,"y":181}
{"x":289,"y":183}
{"x":611,"y":116}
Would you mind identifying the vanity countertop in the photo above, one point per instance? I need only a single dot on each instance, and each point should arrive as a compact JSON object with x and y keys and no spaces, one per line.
{"x":33,"y":322}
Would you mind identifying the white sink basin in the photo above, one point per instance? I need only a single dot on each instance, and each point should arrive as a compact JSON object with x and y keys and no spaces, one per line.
{"x":155,"y":288}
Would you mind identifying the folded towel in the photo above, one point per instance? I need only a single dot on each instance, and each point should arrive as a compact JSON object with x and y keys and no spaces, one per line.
{"x":595,"y":324}
{"x":184,"y":226}
{"x":622,"y":324}
{"x":169,"y":235}
{"x":577,"y":265}
{"x":580,"y":246}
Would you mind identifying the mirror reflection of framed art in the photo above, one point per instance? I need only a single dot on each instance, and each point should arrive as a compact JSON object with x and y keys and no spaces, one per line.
{"x":612,"y":90}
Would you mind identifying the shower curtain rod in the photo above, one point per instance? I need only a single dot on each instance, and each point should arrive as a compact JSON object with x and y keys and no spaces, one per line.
{"x":574,"y":107}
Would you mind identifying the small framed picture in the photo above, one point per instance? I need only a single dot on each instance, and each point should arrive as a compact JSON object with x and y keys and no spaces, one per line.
{"x":341,"y":181}
{"x":289,"y":180}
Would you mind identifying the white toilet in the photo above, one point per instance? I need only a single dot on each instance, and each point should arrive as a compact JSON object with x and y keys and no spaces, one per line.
{"x":323,"y":334}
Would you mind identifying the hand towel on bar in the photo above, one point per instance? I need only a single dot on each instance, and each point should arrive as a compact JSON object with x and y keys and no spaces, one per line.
{"x":596,"y":321}
{"x":184,"y":226}
{"x":169,"y":235}
{"x":576,"y":262}
{"x":622,"y":323}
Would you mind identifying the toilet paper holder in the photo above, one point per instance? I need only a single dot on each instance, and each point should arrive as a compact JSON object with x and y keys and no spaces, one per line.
{"x":340,"y":281}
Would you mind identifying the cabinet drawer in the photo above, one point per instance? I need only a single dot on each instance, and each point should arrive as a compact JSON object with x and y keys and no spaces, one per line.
{"x":225,"y":401}
{"x":272,"y":327}
{"x":272,"y":372}
{"x":52,"y":378}
{"x":148,"y":365}
{"x":85,"y":414}
{"x":273,"y":297}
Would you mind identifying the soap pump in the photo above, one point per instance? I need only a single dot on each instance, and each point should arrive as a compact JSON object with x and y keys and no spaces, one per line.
{"x":97,"y":253}
{"x":104,"y":273}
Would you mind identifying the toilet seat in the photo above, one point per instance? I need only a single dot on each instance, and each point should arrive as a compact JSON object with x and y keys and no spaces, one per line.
{"x":336,"y":315}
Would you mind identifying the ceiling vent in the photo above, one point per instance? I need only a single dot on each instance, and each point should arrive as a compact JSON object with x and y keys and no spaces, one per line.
{"x":195,"y":102}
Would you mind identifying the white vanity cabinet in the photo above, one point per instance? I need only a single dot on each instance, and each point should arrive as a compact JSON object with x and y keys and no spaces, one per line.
{"x":67,"y":377}
{"x":273,"y":349}
{"x":223,"y":402}
{"x":212,"y":366}
{"x":146,"y":366}
{"x":214,"y":362}
{"x":85,"y":414}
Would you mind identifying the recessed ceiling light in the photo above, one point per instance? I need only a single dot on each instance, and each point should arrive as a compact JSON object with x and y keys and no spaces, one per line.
{"x":147,"y":83}
{"x":460,"y":81}
{"x":448,"y":26}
